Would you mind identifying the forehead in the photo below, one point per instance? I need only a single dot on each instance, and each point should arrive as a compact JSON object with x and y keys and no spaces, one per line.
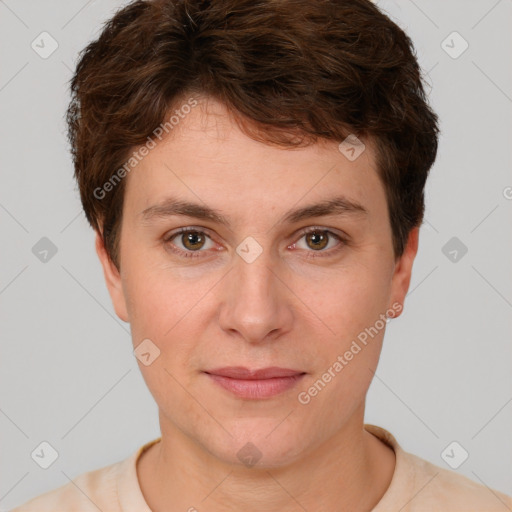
{"x":207,"y":158}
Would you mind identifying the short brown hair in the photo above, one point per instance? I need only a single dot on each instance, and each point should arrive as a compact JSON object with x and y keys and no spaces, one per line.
{"x":292,"y":72}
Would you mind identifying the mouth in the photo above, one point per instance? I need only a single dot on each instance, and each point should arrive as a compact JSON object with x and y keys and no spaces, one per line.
{"x":255,"y":384}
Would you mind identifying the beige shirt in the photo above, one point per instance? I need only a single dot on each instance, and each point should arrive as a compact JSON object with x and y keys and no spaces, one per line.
{"x":417,"y":485}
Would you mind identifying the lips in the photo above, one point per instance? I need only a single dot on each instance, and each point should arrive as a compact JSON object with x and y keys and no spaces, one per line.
{"x":240,"y":372}
{"x":255,"y":384}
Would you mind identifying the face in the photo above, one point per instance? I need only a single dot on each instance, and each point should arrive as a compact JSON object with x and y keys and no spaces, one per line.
{"x":287,"y":262}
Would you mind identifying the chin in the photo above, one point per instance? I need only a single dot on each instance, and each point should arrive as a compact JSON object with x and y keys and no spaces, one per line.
{"x":257,"y":444}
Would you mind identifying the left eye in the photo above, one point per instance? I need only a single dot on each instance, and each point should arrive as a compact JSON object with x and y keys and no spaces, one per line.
{"x":318,"y":240}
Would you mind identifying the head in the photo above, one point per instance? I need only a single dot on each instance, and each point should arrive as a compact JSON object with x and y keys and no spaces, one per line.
{"x":237,"y":120}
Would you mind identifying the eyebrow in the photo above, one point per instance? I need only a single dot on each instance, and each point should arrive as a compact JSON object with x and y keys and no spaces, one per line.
{"x":338,"y":205}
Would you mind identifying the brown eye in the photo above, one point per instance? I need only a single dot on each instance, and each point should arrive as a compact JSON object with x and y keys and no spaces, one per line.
{"x":317,"y":240}
{"x":193,"y":240}
{"x":189,"y":242}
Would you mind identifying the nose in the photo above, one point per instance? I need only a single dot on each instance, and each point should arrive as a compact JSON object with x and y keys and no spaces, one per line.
{"x":256,"y":305}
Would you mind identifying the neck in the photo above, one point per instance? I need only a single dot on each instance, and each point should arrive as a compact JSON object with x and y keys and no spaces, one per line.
{"x":349,"y":471}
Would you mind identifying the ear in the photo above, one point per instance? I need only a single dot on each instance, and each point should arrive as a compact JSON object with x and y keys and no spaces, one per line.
{"x":402,"y":273}
{"x":112,"y":280}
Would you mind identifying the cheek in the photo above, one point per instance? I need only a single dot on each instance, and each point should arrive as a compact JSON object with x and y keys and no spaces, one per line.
{"x":352,"y":304}
{"x":350,"y":299}
{"x":159,"y":297}
{"x":173,"y":391}
{"x":362,"y":325}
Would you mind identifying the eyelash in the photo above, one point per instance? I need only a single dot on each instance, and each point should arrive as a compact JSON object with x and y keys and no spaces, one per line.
{"x":314,"y":229}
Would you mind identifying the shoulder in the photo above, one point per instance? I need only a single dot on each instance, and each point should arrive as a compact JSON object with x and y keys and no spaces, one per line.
{"x":86,"y":493}
{"x":418,"y":485}
{"x":442,"y":489}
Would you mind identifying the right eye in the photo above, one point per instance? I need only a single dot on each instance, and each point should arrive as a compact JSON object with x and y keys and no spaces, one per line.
{"x":189,"y":240}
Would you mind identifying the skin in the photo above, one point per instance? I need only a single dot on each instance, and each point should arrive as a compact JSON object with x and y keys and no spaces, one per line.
{"x":283,"y":309}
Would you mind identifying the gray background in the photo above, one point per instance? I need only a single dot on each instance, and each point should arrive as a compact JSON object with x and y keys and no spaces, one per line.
{"x":68,"y":375}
